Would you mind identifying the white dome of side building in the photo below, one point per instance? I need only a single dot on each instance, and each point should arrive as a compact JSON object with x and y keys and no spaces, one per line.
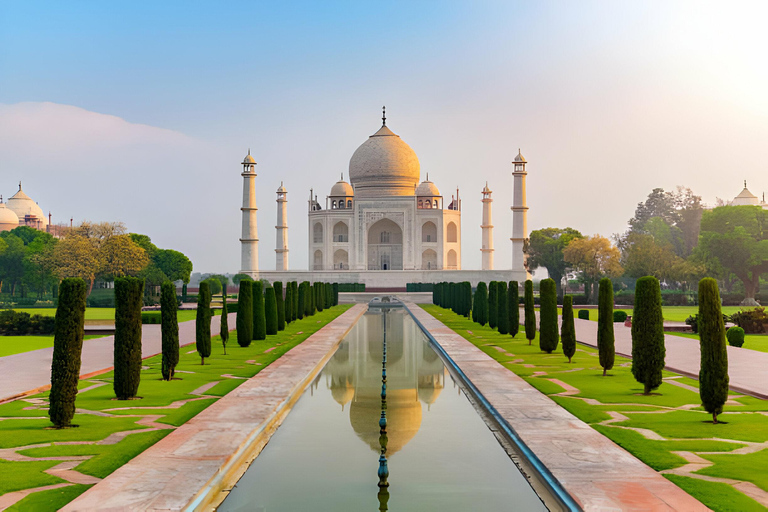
{"x":28,"y":211}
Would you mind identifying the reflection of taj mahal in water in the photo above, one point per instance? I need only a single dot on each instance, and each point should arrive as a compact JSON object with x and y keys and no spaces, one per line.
{"x":415,"y":376}
{"x":383,"y":227}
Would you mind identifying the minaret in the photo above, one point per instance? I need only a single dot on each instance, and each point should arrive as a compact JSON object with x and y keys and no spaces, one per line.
{"x":281,"y":263}
{"x":487,"y":227}
{"x":519,"y":216}
{"x":249,"y":241}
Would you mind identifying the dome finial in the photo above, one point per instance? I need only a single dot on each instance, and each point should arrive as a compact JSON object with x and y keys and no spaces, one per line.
{"x":745,"y":184}
{"x":427,"y":176}
{"x":20,"y":184}
{"x":384,"y":116}
{"x":342,"y":177}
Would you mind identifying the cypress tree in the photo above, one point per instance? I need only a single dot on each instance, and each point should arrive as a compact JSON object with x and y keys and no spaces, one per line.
{"x":513,"y":308}
{"x":568,"y":330}
{"x":259,"y":316}
{"x":67,"y":351}
{"x":224,"y":330}
{"x":203,"y":322}
{"x":270,"y":310}
{"x":288,"y":302}
{"x":481,"y":303}
{"x":493,"y":303}
{"x":548,"y":336}
{"x":329,"y":295}
{"x":320,"y":296}
{"x":244,"y":321}
{"x":467,"y":298}
{"x":474,"y":304}
{"x":530,"y":312}
{"x":280,"y":302}
{"x":605,"y":339}
{"x":335,"y":294}
{"x":169,"y":326}
{"x":648,"y":349}
{"x":713,"y":374}
{"x":295,"y":298}
{"x":502,"y":311}
{"x":311,"y":296}
{"x":301,"y":301}
{"x":129,"y":292}
{"x":308,"y":299}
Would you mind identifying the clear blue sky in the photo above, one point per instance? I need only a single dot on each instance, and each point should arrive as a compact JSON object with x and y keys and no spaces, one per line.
{"x":606,"y":99}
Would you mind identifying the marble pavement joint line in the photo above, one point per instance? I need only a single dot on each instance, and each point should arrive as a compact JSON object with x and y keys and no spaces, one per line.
{"x":597,"y":473}
{"x":193,"y":467}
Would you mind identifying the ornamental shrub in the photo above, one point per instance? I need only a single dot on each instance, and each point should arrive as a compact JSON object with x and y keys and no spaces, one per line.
{"x":270,"y":311}
{"x":583,"y":314}
{"x":335,"y":294}
{"x":548,"y":335}
{"x":480,"y":304}
{"x":713,"y":375}
{"x":513,"y":308}
{"x":301,"y":300}
{"x":288,"y":302}
{"x":312,"y":296}
{"x":328,"y":295}
{"x":493,"y":306}
{"x":259,"y":317}
{"x":169,"y":327}
{"x":735,"y":336}
{"x":319,"y":296}
{"x":753,"y":320}
{"x":280,"y":302}
{"x":621,"y":316}
{"x":502,"y":311}
{"x":530,"y":312}
{"x":466,"y":298}
{"x":224,"y":328}
{"x":605,"y":338}
{"x":244,"y":321}
{"x":568,"y":330}
{"x":647,"y":334}
{"x":127,"y":346}
{"x":67,"y":351}
{"x":203,"y":322}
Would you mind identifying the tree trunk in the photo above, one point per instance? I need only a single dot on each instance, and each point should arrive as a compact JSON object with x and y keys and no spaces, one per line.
{"x":202,"y":361}
{"x":714,"y":417}
{"x":647,"y":389}
{"x":91,"y":280}
{"x":604,"y":370}
{"x":750,"y":289}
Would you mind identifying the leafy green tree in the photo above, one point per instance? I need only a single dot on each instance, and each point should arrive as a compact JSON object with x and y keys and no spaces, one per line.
{"x":605,"y":337}
{"x":67,"y":351}
{"x":270,"y":311}
{"x":259,"y":316}
{"x":224,"y":329}
{"x":244,"y":320}
{"x":530,"y":312}
{"x":12,"y":261}
{"x":174,"y":264}
{"x":648,"y":334}
{"x":203,"y":321}
{"x":169,"y":327}
{"x":593,"y":257}
{"x":502,"y":311}
{"x":545,"y":249}
{"x":214,"y":284}
{"x":237,"y":278}
{"x":713,"y":375}
{"x":278,"y":286}
{"x":736,"y":239}
{"x":493,"y":306}
{"x":513,"y":308}
{"x":568,"y":330}
{"x":127,"y":350}
{"x":548,"y":335}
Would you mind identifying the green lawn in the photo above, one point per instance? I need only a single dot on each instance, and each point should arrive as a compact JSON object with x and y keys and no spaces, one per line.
{"x":757,"y":342}
{"x":25,"y":421}
{"x":676,"y":412}
{"x":17,"y":344}
{"x":104,"y":313}
{"x":671,"y":313}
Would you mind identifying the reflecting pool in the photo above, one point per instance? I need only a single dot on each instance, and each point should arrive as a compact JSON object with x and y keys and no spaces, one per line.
{"x":336,"y":451}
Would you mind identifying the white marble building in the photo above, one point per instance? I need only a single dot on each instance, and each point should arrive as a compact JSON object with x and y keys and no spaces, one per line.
{"x":384,"y":219}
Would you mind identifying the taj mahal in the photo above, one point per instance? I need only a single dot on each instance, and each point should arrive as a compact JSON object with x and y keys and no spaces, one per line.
{"x":383,"y":227}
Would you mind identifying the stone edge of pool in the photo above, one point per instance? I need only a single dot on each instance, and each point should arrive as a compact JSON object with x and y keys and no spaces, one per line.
{"x":193,"y":466}
{"x":596,"y":472}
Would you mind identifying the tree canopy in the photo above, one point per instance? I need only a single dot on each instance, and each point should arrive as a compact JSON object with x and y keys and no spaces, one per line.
{"x":545,"y":249}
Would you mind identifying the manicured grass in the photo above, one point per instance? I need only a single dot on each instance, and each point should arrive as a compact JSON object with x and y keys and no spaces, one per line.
{"x":17,"y":344}
{"x":671,"y":313}
{"x":90,"y":313}
{"x":31,"y":425}
{"x":674,"y":413}
{"x":757,"y":342}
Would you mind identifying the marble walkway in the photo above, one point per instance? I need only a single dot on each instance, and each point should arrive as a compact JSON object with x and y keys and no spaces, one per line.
{"x":596,"y":472}
{"x":30,"y":372}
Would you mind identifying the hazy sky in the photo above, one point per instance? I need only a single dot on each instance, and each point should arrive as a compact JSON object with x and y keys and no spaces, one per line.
{"x":142,"y":111}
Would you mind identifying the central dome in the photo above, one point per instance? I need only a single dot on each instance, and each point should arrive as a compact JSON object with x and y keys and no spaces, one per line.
{"x":384,"y":165}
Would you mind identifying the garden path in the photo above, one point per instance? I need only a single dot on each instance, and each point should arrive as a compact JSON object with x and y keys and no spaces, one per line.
{"x":746,"y":368}
{"x":29,"y":372}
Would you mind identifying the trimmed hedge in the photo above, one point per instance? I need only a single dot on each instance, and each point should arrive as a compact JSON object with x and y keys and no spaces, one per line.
{"x":20,"y":323}
{"x":259,"y":317}
{"x":67,"y":351}
{"x":280,"y":302}
{"x":502,"y":311}
{"x":713,"y":375}
{"x":548,"y":335}
{"x":127,"y":345}
{"x":493,"y":306}
{"x":270,"y":311}
{"x":530,"y":312}
{"x":583,"y":314}
{"x":169,"y":328}
{"x":735,"y":336}
{"x":605,"y":338}
{"x":513,"y":308}
{"x":648,"y":350}
{"x":244,"y":321}
{"x":568,"y":330}
{"x":620,"y":316}
{"x":481,"y":304}
{"x":203,"y":322}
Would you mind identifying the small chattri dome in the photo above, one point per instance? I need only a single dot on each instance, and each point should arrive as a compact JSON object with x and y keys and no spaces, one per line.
{"x":427,"y":188}
{"x":8,"y":219}
{"x":519,"y":158}
{"x":281,"y":189}
{"x":24,"y":207}
{"x":342,"y":189}
{"x":249,"y":159}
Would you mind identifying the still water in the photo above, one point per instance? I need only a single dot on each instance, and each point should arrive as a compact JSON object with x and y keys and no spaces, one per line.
{"x":439,"y":453}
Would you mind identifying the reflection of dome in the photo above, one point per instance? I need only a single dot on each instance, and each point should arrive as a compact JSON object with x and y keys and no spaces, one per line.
{"x":427,"y":188}
{"x":8,"y":219}
{"x":384,"y":165}
{"x":23,"y":206}
{"x":403,"y":418}
{"x":342,"y":188}
{"x":342,"y":392}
